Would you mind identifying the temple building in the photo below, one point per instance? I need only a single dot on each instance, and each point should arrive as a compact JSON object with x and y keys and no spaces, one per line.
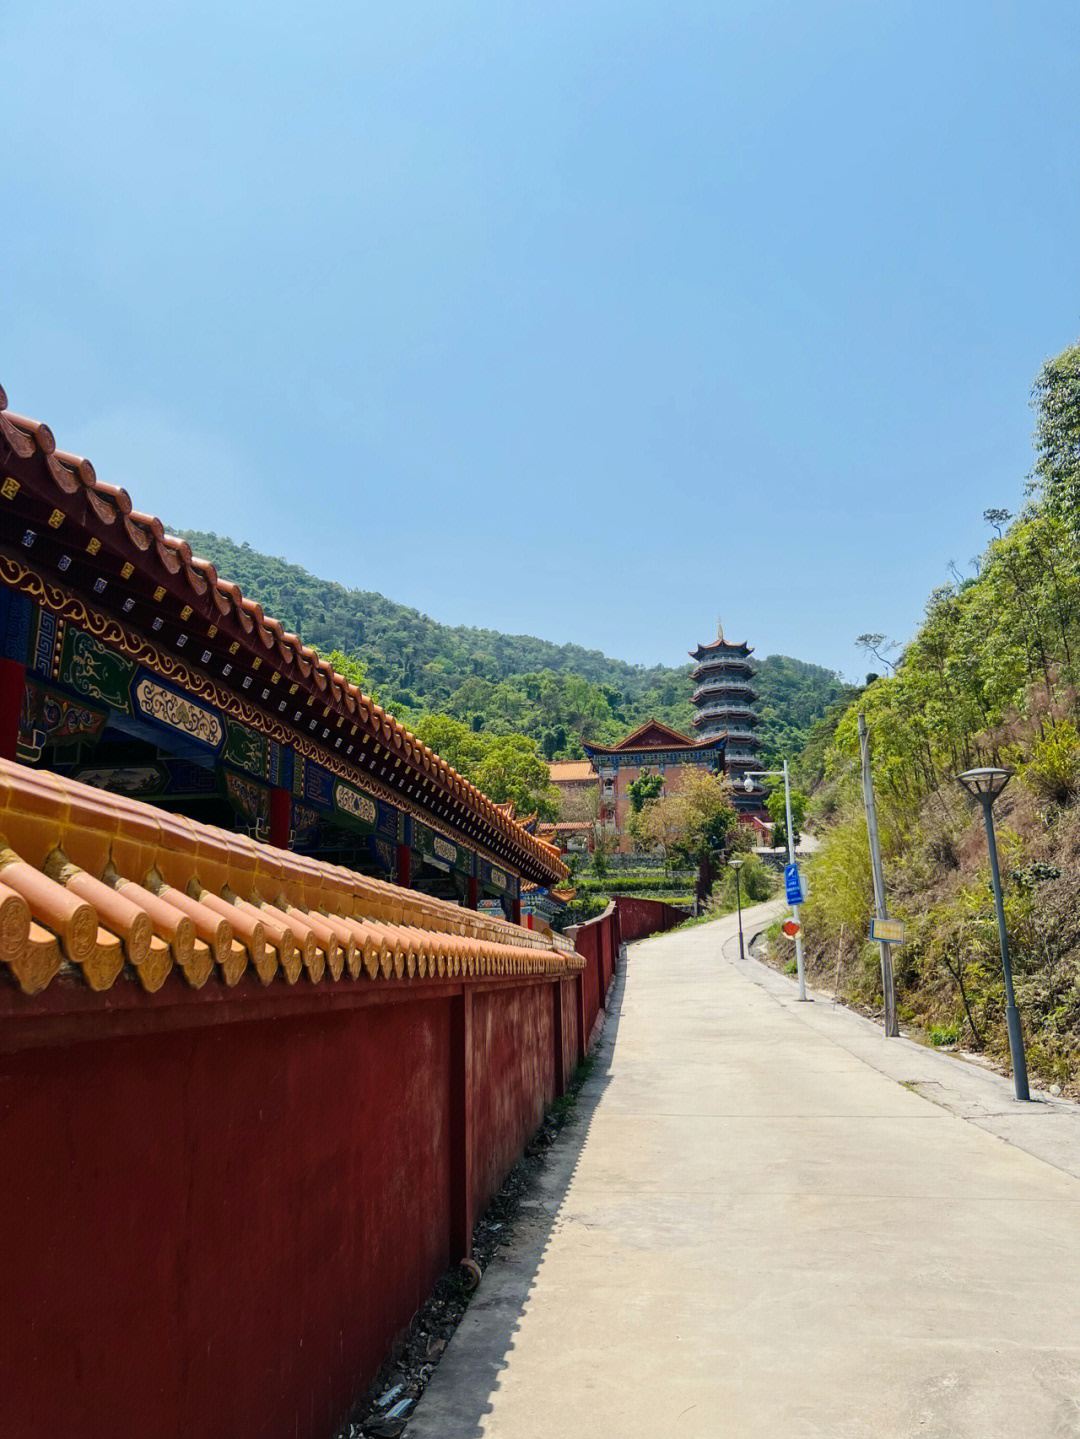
{"x":724,"y":700}
{"x":127,"y":663}
{"x":653,"y":747}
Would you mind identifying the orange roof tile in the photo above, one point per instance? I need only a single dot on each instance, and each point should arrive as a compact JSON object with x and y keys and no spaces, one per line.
{"x":652,"y":735}
{"x":570,"y":771}
{"x":96,"y":885}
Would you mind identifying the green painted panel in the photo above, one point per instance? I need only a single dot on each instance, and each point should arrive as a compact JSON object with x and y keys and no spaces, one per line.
{"x":95,"y":671}
{"x":246,"y":749}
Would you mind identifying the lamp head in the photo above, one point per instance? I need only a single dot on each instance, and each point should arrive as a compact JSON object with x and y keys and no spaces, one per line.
{"x":748,"y":785}
{"x":986,"y":783}
{"x":736,"y":863}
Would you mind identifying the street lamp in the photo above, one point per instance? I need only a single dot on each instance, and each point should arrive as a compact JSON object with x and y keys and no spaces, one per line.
{"x":986,"y":784}
{"x":736,"y":865}
{"x":748,"y":786}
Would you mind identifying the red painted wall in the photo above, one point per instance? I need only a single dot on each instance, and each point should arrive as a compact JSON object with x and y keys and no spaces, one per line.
{"x":218,"y":1232}
{"x":587,"y":944}
{"x":513,"y":1080}
{"x":641,"y":917}
{"x":218,"y":1208}
{"x":573,"y":1044}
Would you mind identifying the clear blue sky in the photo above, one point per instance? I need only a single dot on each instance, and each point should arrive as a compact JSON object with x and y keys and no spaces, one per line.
{"x":585,"y":320}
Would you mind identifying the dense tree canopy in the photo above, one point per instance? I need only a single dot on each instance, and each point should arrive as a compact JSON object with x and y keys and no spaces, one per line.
{"x":503,"y":684}
{"x":505,"y":767}
{"x":689,"y":824}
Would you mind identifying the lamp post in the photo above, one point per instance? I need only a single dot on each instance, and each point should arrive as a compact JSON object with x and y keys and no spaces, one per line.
{"x":736,"y":865}
{"x":986,"y":784}
{"x":748,"y":786}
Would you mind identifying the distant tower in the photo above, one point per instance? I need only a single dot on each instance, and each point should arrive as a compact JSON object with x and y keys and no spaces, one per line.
{"x":724,"y":700}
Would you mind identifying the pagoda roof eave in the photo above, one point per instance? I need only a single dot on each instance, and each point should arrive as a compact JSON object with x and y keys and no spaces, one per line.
{"x":56,"y":497}
{"x":716,"y":647}
{"x":711,"y":666}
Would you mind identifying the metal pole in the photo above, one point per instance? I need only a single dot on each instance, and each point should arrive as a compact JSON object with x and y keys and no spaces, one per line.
{"x":738,"y":901}
{"x":887,"y":989}
{"x":1012,"y":1017}
{"x":795,"y":908}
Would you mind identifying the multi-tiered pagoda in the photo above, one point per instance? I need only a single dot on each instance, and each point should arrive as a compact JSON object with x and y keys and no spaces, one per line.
{"x":724,"y":699}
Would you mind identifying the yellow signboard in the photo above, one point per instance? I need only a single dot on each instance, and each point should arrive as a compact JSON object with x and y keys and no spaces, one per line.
{"x":888,"y":929}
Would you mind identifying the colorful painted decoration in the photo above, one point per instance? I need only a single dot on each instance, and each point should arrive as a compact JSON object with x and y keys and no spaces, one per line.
{"x":356,"y":806}
{"x":251,"y":800}
{"x":97,"y":672}
{"x":244,"y":748}
{"x":178,"y":712}
{"x":49,"y":717}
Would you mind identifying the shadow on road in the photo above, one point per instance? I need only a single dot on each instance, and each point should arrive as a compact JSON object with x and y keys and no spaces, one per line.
{"x":459,"y":1394}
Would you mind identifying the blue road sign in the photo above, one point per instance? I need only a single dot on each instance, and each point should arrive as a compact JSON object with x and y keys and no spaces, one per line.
{"x":793,"y":884}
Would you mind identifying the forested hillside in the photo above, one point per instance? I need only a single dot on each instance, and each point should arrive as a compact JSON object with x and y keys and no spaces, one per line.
{"x":991,"y":678}
{"x":503,"y":684}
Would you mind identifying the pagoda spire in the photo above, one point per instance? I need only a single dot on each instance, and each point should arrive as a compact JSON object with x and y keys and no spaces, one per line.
{"x":719,"y":630}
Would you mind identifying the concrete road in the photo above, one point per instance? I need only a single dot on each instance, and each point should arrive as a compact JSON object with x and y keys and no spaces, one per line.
{"x":751,"y":1229}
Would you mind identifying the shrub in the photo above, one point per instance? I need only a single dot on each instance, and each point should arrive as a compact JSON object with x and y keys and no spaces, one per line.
{"x":841,"y":884}
{"x":755,"y":879}
{"x":1054,"y":768}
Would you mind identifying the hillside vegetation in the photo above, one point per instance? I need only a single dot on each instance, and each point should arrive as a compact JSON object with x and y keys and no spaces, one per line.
{"x":503,"y":684}
{"x":991,"y":678}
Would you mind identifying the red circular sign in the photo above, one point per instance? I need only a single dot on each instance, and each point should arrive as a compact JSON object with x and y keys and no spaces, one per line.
{"x":791,"y":928}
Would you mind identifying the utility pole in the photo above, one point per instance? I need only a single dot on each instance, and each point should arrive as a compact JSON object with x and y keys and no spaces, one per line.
{"x":891,"y":1027}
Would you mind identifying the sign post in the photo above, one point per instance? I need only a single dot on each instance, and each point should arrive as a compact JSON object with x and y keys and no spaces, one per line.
{"x":790,"y":868}
{"x":791,"y":865}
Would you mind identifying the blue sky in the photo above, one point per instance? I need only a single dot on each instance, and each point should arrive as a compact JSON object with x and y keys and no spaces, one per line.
{"x":588,"y":320}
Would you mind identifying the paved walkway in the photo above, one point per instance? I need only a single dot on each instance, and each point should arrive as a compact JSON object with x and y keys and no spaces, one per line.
{"x":751,"y":1229}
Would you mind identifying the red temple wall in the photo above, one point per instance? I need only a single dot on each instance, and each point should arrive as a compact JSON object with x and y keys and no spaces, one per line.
{"x":514,"y":1080}
{"x":220,"y":1209}
{"x":217,"y":1231}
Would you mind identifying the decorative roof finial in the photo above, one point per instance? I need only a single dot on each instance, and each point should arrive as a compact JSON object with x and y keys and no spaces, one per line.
{"x":719,"y":630}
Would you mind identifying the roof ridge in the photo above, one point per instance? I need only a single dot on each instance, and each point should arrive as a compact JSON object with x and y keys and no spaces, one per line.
{"x":96,"y":881}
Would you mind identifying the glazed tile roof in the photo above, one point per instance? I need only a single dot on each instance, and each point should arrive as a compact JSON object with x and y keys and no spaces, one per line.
{"x":60,"y":495}
{"x":570,"y":771}
{"x":95,"y":887}
{"x":653,"y":735}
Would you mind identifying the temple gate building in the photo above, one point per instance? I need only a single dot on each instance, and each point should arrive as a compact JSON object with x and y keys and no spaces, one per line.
{"x":654,"y":748}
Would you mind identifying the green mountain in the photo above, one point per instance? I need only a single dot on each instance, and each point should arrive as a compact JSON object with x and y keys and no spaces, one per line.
{"x":503,"y":684}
